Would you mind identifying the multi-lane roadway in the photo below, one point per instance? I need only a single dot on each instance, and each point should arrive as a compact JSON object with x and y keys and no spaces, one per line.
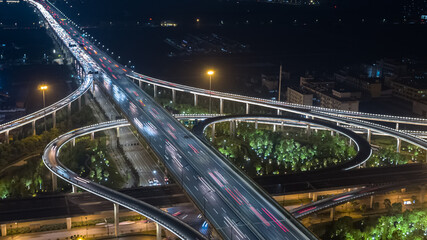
{"x":237,"y":208}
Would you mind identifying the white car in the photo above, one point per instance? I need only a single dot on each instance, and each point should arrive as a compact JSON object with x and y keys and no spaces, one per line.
{"x":150,"y":181}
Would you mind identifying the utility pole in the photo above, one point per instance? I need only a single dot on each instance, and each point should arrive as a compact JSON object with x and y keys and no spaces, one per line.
{"x":280,"y":82}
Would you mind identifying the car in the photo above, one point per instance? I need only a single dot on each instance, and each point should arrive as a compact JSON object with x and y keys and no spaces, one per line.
{"x":166,"y":180}
{"x":150,"y":181}
{"x":156,"y":182}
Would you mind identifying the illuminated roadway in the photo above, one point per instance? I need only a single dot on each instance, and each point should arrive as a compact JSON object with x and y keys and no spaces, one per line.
{"x":50,"y":159}
{"x":237,"y":207}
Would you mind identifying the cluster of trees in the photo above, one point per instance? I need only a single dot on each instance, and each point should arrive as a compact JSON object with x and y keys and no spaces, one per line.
{"x":33,"y":177}
{"x":387,"y":157}
{"x":89,"y":158}
{"x":411,"y":224}
{"x":261,"y":151}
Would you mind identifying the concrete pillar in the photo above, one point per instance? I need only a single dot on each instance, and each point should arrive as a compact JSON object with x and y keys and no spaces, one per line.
{"x":34,"y":127}
{"x":247,"y":108}
{"x":73,"y":188}
{"x":69,"y":223}
{"x":92,"y":135}
{"x":173,"y":95}
{"x":79,"y":100}
{"x":195,"y":99}
{"x":231,"y":127}
{"x":54,"y":182}
{"x":74,"y":142}
{"x":54,"y":119}
{"x":281,"y":126}
{"x":221,"y":106}
{"x":397,"y":126}
{"x":314,"y":197}
{"x":274,"y":127}
{"x":332,"y":213}
{"x":116,"y":219}
{"x":422,"y":193}
{"x":350,"y":142}
{"x":69,"y":110}
{"x":308,"y":130}
{"x":140,"y":84}
{"x":369,"y":136}
{"x":118,"y":132}
{"x":158,"y":232}
{"x":213,"y":131}
{"x":3,"y":230}
{"x":6,"y":136}
{"x":399,"y":144}
{"x":332,"y":133}
{"x":278,"y":112}
{"x":256,"y":124}
{"x":155,"y":90}
{"x":371,"y":203}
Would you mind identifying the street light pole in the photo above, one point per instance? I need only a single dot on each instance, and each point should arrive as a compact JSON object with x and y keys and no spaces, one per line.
{"x":210,"y":73}
{"x":43,"y":88}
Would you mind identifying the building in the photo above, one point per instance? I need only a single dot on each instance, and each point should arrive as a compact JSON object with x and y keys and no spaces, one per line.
{"x":369,"y":85}
{"x":409,"y":88}
{"x":299,"y":96}
{"x":328,"y":94}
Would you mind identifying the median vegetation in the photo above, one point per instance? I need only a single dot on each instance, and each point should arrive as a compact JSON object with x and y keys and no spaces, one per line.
{"x":263,"y":151}
{"x":31,"y":177}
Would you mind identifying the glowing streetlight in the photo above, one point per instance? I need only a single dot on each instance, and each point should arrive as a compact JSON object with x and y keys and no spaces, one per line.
{"x":210,"y":73}
{"x":44,"y":88}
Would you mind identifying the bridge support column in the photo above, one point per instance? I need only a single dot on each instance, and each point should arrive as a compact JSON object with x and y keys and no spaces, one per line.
{"x":54,"y":119}
{"x":332,"y":133}
{"x":221,"y":106}
{"x":6,"y":136}
{"x":54,"y":182}
{"x":92,"y":136}
{"x":314,"y":197}
{"x":278,"y":112}
{"x":369,"y":136}
{"x":34,"y":127}
{"x":332,"y":215}
{"x":73,"y":188}
{"x":213,"y":131}
{"x":158,"y":232}
{"x":422,"y":193}
{"x":371,"y":202}
{"x":79,"y":100}
{"x":140,"y":84}
{"x":350,"y":142}
{"x":281,"y":126}
{"x":398,"y":144}
{"x":256,"y":124}
{"x":274,"y":127}
{"x":69,"y":223}
{"x":173,"y":95}
{"x":74,"y":142}
{"x":195,"y":99}
{"x":308,"y":130}
{"x":4,"y":230}
{"x":69,"y":110}
{"x":118,"y":132}
{"x":397,"y":126}
{"x":155,"y":91}
{"x":247,"y":108}
{"x":116,"y":219}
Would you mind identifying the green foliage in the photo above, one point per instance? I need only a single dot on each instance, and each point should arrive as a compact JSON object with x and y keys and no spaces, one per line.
{"x":407,"y":225}
{"x":89,"y":159}
{"x":386,"y":157}
{"x":262,"y":151}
